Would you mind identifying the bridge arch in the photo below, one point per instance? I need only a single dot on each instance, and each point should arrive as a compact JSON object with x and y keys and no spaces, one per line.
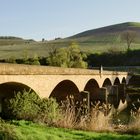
{"x":117,"y":81}
{"x":107,"y":83}
{"x":8,"y":89}
{"x":65,"y":89}
{"x":123,"y":80}
{"x":92,"y":87}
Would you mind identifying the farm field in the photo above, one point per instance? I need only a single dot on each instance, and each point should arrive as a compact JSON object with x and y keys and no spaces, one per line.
{"x":93,"y":41}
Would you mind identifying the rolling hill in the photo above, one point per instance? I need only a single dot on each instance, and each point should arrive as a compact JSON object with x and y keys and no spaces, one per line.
{"x":116,"y":29}
{"x":101,"y":39}
{"x":91,"y":41}
{"x":11,"y":40}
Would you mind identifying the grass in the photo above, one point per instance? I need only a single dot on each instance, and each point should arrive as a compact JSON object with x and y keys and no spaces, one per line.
{"x":42,"y":48}
{"x":71,"y":126}
{"x":92,"y":41}
{"x":135,"y":24}
{"x":23,"y":50}
{"x":32,"y":131}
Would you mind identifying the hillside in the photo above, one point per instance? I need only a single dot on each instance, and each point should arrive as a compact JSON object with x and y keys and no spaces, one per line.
{"x":109,"y":33}
{"x":92,"y":41}
{"x":11,"y":40}
{"x":103,"y":39}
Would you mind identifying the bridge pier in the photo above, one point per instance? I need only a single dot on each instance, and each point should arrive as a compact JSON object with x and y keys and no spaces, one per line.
{"x":122,"y":92}
{"x":114,"y":96}
{"x":85,"y":101}
{"x":117,"y":94}
{"x":102,"y":95}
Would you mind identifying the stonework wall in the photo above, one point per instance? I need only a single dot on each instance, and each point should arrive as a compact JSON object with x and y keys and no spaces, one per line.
{"x":20,"y":69}
{"x":44,"y":79}
{"x":44,"y":84}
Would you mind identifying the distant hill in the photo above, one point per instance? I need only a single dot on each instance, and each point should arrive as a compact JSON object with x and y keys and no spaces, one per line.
{"x":11,"y":40}
{"x":107,"y":34}
{"x":92,"y":41}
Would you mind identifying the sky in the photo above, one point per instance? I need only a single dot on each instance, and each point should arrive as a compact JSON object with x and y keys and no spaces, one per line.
{"x":49,"y":19}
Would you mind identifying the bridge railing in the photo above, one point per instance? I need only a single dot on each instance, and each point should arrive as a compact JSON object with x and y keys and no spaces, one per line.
{"x":20,"y":69}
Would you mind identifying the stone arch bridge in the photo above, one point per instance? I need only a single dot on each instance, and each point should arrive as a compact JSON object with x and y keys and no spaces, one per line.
{"x":61,"y":82}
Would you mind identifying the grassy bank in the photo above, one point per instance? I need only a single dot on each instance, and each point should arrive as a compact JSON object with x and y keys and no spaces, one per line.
{"x":46,"y":120}
{"x":22,"y":130}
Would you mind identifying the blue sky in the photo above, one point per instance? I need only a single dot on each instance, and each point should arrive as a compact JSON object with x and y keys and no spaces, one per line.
{"x":48,"y":19}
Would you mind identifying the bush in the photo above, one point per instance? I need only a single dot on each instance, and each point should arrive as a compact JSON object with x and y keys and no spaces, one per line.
{"x":73,"y":117}
{"x":134,"y":126}
{"x":48,"y":111}
{"x":27,"y":105}
{"x":68,"y":114}
{"x":24,"y":105}
{"x":7,"y":131}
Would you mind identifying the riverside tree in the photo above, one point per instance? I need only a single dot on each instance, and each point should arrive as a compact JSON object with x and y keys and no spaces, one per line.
{"x":129,"y":38}
{"x":57,"y":57}
{"x":75,"y":58}
{"x":70,"y":57}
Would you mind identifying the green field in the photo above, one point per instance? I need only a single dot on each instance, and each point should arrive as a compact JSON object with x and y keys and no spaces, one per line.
{"x":42,"y":48}
{"x":29,"y":131}
{"x":93,"y":41}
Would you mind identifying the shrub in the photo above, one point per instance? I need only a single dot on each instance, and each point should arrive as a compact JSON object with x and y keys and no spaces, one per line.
{"x":78,"y":117}
{"x":24,"y":105}
{"x":27,"y":105}
{"x":68,"y":115}
{"x":99,"y":122}
{"x":134,"y":126}
{"x":97,"y":119}
{"x":48,"y":111}
{"x":7,"y":131}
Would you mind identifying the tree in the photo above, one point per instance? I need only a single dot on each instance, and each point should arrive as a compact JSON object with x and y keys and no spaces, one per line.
{"x":35,"y":60}
{"x":24,"y":105}
{"x":57,"y":57}
{"x":43,"y":39}
{"x":75,"y":57}
{"x":67,"y":57}
{"x":129,"y":37}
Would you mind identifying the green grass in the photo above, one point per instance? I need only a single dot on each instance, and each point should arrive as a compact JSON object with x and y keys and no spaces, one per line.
{"x":42,"y":48}
{"x":23,"y":50}
{"x":92,"y":41}
{"x":31,"y":131}
{"x":7,"y":40}
{"x":135,"y":24}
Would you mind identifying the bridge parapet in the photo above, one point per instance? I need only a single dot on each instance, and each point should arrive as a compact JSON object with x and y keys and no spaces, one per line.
{"x":20,"y":69}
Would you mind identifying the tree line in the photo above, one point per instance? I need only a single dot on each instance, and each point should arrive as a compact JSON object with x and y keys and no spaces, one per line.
{"x":73,"y":57}
{"x":70,"y":57}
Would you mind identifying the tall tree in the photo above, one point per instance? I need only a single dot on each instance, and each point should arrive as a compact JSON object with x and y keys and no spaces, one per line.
{"x":67,"y":57}
{"x":129,"y":37}
{"x":75,"y":57}
{"x":57,"y":57}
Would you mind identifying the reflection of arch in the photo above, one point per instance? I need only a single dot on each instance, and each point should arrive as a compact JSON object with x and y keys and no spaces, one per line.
{"x":92,"y":87}
{"x":63,"y":89}
{"x":117,"y":81}
{"x":123,"y":80}
{"x":8,"y":89}
{"x":107,"y":83}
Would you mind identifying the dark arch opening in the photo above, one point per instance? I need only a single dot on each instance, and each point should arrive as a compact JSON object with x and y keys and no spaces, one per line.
{"x":92,"y":87}
{"x":107,"y":83}
{"x":65,"y":89}
{"x":9,"y":89}
{"x":117,"y":81}
{"x":123,"y":80}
